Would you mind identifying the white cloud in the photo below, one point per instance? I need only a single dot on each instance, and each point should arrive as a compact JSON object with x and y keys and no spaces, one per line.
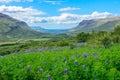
{"x":8,"y":1}
{"x":68,"y":18}
{"x":33,"y":16}
{"x":55,"y":1}
{"x":25,"y":14}
{"x":68,"y":9}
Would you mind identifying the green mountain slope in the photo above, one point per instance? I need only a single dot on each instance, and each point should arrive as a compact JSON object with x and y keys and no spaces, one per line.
{"x":12,"y":29}
{"x":107,"y":24}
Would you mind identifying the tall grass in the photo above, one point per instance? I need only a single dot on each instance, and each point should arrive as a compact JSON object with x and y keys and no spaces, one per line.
{"x":81,"y":63}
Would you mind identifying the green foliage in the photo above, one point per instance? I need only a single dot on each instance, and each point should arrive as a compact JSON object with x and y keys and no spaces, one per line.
{"x":84,"y":63}
{"x":62,"y":43}
{"x":106,"y":42}
{"x":72,"y":46}
{"x":117,"y":30}
{"x":116,"y":39}
{"x":82,"y":37}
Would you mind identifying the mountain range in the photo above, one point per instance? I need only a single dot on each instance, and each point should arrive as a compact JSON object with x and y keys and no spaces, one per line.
{"x":106,"y":24}
{"x":53,"y":31}
{"x":13,"y":29}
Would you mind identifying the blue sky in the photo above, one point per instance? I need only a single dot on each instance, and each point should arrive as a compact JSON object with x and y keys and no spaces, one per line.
{"x":59,"y":14}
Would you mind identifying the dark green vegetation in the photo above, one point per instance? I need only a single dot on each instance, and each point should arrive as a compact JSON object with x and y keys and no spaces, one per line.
{"x":25,"y":45}
{"x":99,"y":38}
{"x":96,"y":39}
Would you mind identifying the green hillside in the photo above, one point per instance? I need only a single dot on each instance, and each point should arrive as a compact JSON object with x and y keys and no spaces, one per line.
{"x":106,"y":24}
{"x":12,"y":29}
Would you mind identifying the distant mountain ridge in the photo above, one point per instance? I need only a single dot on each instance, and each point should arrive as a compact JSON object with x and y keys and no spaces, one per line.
{"x":11,"y":29}
{"x":53,"y":31}
{"x":106,"y":24}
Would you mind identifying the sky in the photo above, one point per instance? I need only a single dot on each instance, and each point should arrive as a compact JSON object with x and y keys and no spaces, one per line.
{"x":59,"y":14}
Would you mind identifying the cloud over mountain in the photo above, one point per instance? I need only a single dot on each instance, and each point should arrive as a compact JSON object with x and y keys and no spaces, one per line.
{"x":33,"y":16}
{"x":68,"y":18}
{"x":26,"y":14}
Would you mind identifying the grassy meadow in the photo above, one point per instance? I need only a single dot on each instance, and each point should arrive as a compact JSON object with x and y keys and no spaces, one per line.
{"x":81,"y":63}
{"x":86,"y":56}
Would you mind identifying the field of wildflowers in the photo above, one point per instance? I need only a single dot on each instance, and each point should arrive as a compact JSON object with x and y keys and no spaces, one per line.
{"x":80,"y":63}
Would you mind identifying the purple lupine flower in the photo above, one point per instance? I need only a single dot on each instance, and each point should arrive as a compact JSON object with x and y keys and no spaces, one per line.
{"x":48,"y":77}
{"x":65,"y":70}
{"x":85,"y":55}
{"x":78,"y":56}
{"x":76,"y":63}
{"x":83,"y":66}
{"x":41,"y":49}
{"x":107,"y":60}
{"x":19,"y":65}
{"x":96,"y":58}
{"x":41,"y":70}
{"x":21,"y":60}
{"x":64,"y":59}
{"x":81,"y":44}
{"x":93,"y":54}
{"x":28,"y":67}
{"x":29,"y":51}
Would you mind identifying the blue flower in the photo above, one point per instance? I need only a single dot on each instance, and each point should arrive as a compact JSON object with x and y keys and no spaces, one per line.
{"x":107,"y":60}
{"x":48,"y":77}
{"x":93,"y":54}
{"x":85,"y":55}
{"x":96,"y":58}
{"x":28,"y":67}
{"x":78,"y":56}
{"x":83,"y":66}
{"x":64,"y":59}
{"x":65,"y":71}
{"x":76,"y":63}
{"x":21,"y":61}
{"x":41,"y":50}
{"x":41,"y":70}
{"x":19,"y":65}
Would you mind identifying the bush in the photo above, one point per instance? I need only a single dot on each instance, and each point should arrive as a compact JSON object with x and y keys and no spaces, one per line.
{"x":82,"y":37}
{"x":106,"y":42}
{"x":63,"y":43}
{"x":116,"y":39}
{"x":117,"y":30}
{"x":72,"y":46}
